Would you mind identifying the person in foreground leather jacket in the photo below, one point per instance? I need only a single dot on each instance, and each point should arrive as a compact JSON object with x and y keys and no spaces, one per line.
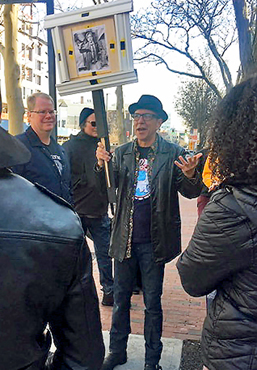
{"x":46,"y":276}
{"x":223,"y":250}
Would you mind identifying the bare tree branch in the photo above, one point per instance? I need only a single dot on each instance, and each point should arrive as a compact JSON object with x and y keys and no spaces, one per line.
{"x":246,"y":27}
{"x":99,"y":2}
{"x":170,"y":27}
{"x":159,"y":60}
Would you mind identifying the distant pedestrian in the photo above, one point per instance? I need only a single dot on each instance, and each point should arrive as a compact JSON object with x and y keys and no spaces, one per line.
{"x":90,"y":196}
{"x":48,"y":165}
{"x":205,"y":195}
{"x":146,"y":231}
{"x":222,"y":252}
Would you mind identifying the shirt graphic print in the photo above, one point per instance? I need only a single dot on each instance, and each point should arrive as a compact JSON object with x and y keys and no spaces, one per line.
{"x":58,"y":162}
{"x":143,"y":186}
{"x":54,"y":152}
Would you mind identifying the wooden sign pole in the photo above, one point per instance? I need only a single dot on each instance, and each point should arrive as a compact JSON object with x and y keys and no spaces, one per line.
{"x":102,"y":132}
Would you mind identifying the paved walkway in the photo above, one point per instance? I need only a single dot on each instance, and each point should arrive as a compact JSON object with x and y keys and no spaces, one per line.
{"x":171,"y":353}
{"x":183,"y":315}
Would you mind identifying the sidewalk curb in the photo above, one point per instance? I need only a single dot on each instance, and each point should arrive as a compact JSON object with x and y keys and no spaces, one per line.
{"x":171,"y":354}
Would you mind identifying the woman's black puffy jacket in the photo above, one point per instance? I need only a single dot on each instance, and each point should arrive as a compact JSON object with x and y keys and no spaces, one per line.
{"x":222,"y":255}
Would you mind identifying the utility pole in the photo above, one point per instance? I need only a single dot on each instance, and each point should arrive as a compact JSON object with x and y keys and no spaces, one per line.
{"x":51,"y":62}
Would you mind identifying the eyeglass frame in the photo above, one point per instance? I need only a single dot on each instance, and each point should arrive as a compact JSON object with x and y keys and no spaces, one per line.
{"x":144,"y":116}
{"x":92,"y":123}
{"x":44,"y":112}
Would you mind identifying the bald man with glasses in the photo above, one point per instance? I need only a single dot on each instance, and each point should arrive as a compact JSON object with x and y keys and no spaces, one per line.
{"x":49,"y":165}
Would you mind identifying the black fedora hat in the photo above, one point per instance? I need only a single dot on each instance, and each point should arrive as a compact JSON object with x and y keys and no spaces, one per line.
{"x":12,"y":151}
{"x":149,"y":102}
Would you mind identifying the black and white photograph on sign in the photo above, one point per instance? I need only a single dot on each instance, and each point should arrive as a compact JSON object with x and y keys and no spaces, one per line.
{"x":91,"y":49}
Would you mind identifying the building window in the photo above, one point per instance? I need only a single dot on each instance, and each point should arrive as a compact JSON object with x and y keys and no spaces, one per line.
{"x":38,"y":65}
{"x":23,"y":71}
{"x":39,"y":50}
{"x":82,"y":100}
{"x":30,"y":54}
{"x":38,"y":80}
{"x":29,"y":74}
{"x":29,"y":28}
{"x":23,"y":50}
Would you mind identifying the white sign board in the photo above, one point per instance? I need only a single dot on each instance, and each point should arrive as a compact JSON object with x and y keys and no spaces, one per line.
{"x":93,"y":47}
{"x":21,"y":1}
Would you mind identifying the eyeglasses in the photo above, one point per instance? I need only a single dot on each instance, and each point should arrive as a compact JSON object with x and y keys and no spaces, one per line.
{"x":145,"y":116}
{"x":93,"y":123}
{"x":44,"y":112}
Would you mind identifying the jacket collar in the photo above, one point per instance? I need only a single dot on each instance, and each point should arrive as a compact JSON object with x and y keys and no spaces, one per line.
{"x":246,"y":196}
{"x":33,"y":138}
{"x":83,"y":136}
{"x":36,"y":142}
{"x":162,"y":156}
{"x":130,"y":163}
{"x":163,"y":146}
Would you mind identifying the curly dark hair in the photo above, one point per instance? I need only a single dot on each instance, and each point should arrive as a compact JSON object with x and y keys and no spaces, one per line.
{"x":233,"y":138}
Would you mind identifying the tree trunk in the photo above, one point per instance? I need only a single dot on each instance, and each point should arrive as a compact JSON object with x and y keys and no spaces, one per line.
{"x":248,"y":64}
{"x":12,"y":70}
{"x":1,"y":103}
{"x":120,"y":115}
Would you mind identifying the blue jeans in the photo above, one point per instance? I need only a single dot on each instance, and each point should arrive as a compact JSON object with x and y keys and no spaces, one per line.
{"x":152,"y":282}
{"x":99,"y":229}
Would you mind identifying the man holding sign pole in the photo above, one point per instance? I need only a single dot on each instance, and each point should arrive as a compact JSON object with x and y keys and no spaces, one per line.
{"x":149,"y":172}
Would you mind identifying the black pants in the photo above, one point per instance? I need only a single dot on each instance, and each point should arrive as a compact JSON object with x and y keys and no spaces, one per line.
{"x":100,"y":230}
{"x":152,"y":282}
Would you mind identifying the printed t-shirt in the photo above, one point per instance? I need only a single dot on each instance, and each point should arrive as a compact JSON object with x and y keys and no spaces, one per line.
{"x":142,"y":203}
{"x":54,"y":152}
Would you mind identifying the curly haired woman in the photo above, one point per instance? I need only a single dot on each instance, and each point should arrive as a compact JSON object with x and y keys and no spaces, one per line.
{"x":222,"y":253}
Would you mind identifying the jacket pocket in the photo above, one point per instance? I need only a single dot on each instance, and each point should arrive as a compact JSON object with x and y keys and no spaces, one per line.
{"x":78,"y":180}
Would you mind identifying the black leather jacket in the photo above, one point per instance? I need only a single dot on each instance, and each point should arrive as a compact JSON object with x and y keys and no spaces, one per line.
{"x":167,"y":180}
{"x":222,"y":255}
{"x":45,"y":278}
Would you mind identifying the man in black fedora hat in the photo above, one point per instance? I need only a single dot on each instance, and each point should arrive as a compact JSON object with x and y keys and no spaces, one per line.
{"x":46,"y":276}
{"x":90,"y":196}
{"x":149,"y":173}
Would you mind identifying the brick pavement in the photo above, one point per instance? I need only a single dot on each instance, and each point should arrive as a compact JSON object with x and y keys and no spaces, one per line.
{"x":183,"y":315}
